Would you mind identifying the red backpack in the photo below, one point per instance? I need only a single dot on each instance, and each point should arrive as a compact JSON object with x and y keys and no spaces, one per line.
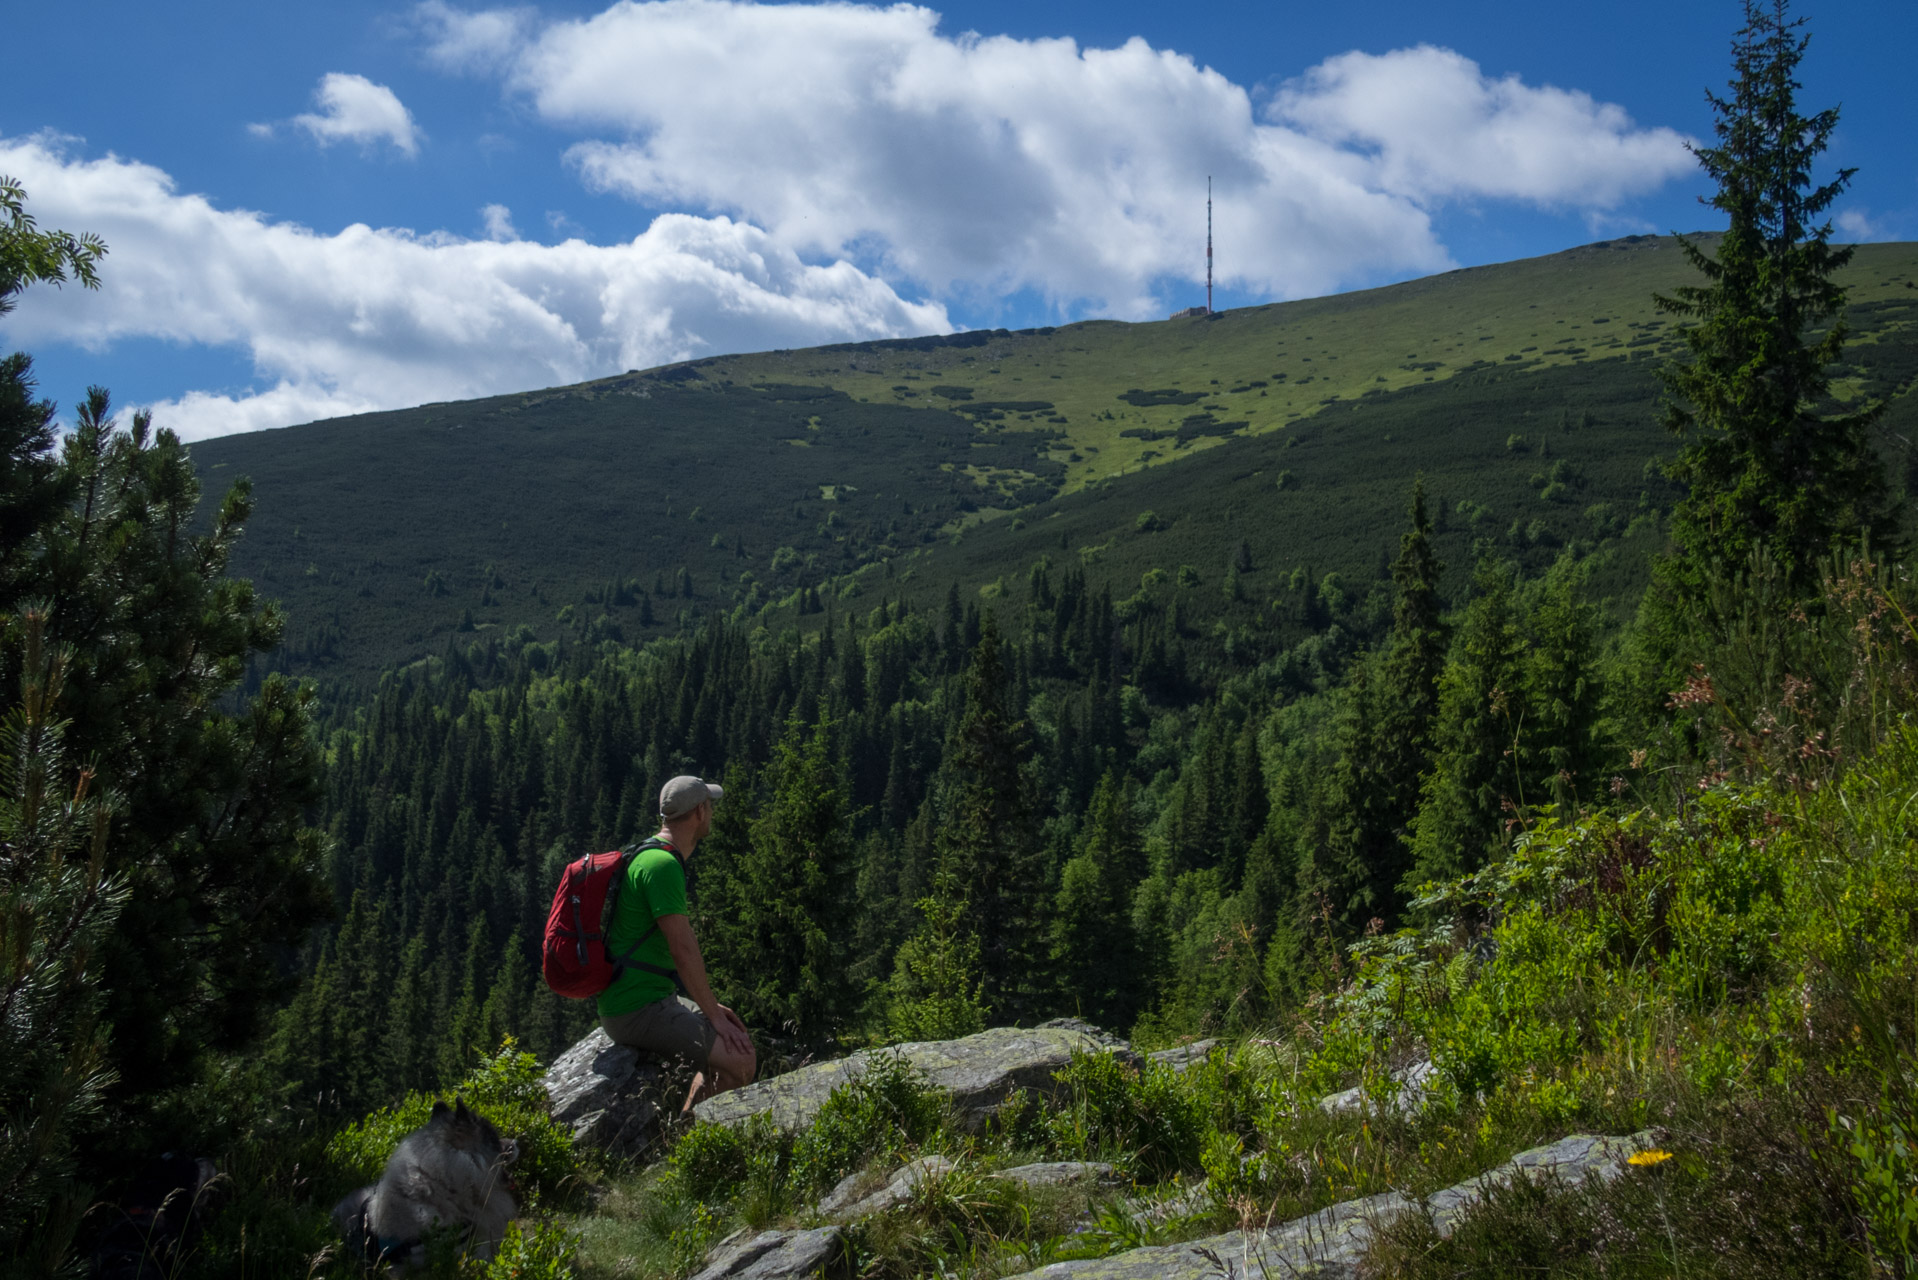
{"x":575,"y":959}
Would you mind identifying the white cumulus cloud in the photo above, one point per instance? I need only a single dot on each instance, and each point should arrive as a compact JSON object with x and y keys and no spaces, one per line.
{"x":499,"y":222}
{"x":1858,"y":227}
{"x":457,"y":40}
{"x":354,"y":109}
{"x":981,"y":165}
{"x":1433,"y":126}
{"x":367,"y":318}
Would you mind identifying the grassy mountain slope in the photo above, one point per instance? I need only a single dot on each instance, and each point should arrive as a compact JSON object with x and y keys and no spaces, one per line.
{"x":1525,"y":392}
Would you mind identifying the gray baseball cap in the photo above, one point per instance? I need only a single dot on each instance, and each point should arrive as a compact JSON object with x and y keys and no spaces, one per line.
{"x":686,"y":793}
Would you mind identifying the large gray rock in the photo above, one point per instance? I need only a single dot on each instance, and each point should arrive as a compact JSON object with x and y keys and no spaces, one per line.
{"x":1059,"y":1173}
{"x":772,"y":1255}
{"x":979,"y":1072}
{"x":607,"y":1094}
{"x":1330,"y":1244}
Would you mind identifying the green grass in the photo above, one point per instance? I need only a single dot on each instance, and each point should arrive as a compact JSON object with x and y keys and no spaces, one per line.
{"x":1578,"y":307}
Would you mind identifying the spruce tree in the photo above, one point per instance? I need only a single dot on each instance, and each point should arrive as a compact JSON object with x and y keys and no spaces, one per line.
{"x":1767,"y":463}
{"x":936,"y":992}
{"x":223,"y":874}
{"x":1095,"y":959}
{"x":1477,"y":739}
{"x":1356,"y":858}
{"x":1563,"y":693}
{"x":988,"y":843}
{"x":787,"y":950}
{"x":33,"y":485}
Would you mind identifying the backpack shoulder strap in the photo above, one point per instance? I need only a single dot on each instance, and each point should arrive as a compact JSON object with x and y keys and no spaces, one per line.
{"x":654,"y":842}
{"x":625,"y":959}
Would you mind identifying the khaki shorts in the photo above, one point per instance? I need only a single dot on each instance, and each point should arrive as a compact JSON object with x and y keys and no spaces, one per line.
{"x":670,"y":1027}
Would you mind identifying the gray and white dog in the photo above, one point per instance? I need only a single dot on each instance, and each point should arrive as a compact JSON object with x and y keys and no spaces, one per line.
{"x":451,"y":1171}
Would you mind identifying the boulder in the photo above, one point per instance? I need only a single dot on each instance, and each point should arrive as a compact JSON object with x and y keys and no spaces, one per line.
{"x":1182,"y":1056}
{"x":979,"y":1072}
{"x":1058,"y":1173}
{"x":772,"y":1255}
{"x":607,"y":1094}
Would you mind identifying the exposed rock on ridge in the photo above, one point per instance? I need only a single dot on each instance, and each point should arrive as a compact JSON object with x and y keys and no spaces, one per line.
{"x":607,"y":1094}
{"x":772,"y":1255}
{"x":1330,"y":1244}
{"x":979,"y":1072}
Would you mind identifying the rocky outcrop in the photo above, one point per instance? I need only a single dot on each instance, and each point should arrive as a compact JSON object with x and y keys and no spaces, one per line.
{"x":846,"y":1202}
{"x":978,"y":1072}
{"x":1059,"y":1173}
{"x":1179,"y":1058}
{"x":1330,"y":1244}
{"x":857,"y":1197}
{"x":773,"y":1255}
{"x":1326,"y":1246}
{"x":607,"y":1094}
{"x":1569,"y":1160}
{"x":1412,"y":1084}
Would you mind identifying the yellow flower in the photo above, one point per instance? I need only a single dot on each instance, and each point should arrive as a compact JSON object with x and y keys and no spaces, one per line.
{"x":1654,"y":1156}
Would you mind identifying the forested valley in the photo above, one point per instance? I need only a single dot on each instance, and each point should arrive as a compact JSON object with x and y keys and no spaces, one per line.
{"x":1122,"y":825}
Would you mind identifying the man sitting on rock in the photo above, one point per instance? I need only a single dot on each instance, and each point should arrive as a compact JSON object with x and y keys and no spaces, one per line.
{"x":654,"y":942}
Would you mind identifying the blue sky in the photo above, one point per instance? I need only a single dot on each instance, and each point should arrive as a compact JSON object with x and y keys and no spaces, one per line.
{"x":325,"y":209}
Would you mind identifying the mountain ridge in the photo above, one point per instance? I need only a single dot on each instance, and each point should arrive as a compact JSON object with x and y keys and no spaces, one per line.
{"x":778,"y":481}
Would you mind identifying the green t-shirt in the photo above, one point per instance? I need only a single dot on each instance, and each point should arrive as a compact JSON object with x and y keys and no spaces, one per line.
{"x":655,"y":886}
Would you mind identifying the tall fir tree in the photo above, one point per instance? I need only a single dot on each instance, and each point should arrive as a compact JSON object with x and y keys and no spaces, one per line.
{"x":210,"y":835}
{"x":1356,"y":857}
{"x":1563,"y":690}
{"x":786,"y":951}
{"x":1477,"y":739}
{"x":1094,"y":956}
{"x":988,"y":841}
{"x":1766,"y":464}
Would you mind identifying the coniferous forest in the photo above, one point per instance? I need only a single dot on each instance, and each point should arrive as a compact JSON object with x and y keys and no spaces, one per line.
{"x":1482,"y":800}
{"x":1066,"y":781}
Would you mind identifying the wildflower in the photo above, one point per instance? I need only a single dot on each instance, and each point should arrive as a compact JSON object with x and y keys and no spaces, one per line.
{"x":1652,"y":1157}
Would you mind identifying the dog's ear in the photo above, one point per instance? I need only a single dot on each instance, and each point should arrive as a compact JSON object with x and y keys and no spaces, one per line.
{"x":441,"y":1114}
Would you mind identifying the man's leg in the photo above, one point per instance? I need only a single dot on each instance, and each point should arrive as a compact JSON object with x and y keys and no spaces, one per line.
{"x":732,"y":1068}
{"x":673,"y":1027}
{"x":726,"y":1067}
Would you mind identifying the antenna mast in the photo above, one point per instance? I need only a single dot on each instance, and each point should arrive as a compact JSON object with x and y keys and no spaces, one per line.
{"x":1208,"y":244}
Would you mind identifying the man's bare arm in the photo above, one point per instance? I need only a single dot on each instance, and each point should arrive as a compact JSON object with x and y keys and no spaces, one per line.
{"x":692,"y":975}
